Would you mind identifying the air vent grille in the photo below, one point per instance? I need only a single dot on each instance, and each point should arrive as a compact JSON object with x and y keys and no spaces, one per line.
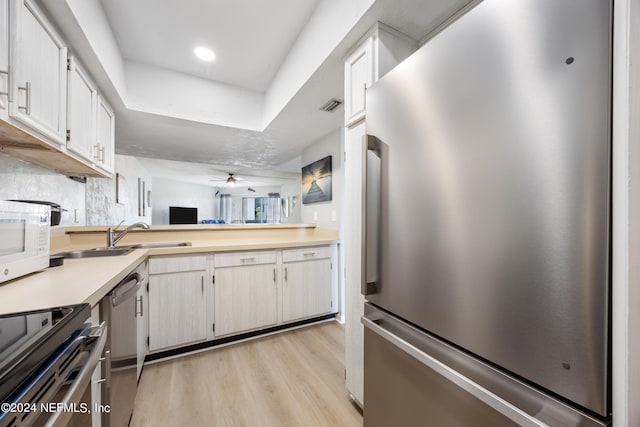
{"x":331,"y":105}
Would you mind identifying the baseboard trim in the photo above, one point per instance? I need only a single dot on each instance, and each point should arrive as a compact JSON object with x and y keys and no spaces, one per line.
{"x":225,"y":341}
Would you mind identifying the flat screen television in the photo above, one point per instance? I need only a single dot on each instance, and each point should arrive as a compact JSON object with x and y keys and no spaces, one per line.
{"x":180,"y":215}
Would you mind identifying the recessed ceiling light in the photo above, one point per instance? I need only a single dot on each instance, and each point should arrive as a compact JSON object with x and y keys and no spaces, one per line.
{"x":204,"y":53}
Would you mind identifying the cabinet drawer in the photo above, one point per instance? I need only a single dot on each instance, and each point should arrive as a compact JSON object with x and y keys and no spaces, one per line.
{"x":244,"y":258}
{"x":173,"y":264}
{"x":302,"y":254}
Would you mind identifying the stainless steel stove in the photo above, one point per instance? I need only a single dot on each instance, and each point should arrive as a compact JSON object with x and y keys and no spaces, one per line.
{"x":47,"y":358}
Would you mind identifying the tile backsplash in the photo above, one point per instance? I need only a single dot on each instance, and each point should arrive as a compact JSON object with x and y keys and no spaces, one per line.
{"x":94,"y":201}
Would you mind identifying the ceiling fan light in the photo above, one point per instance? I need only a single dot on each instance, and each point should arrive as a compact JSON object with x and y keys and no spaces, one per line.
{"x":231,"y":180}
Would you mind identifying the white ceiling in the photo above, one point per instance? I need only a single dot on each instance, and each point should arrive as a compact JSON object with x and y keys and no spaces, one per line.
{"x":256,"y":107}
{"x":250,"y":38}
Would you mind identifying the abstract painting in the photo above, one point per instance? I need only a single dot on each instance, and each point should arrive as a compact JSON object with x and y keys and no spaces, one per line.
{"x":316,"y":181}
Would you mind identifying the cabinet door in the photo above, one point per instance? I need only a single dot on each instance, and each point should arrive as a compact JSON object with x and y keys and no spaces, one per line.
{"x":106,"y":135}
{"x":81,"y":112}
{"x":354,"y":301}
{"x":306,"y":289}
{"x":176,"y":309}
{"x":358,"y":75}
{"x":245,"y":298}
{"x":142,"y":325}
{"x":4,"y":59}
{"x":39,"y":83}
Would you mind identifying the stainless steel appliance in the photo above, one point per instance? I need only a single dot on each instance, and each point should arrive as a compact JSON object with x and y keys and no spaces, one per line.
{"x":47,"y":358}
{"x":119,"y":309}
{"x":24,"y":239}
{"x":487,"y":228}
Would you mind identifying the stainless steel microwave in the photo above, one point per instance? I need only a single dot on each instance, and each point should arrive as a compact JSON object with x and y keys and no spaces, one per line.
{"x":24,"y":239}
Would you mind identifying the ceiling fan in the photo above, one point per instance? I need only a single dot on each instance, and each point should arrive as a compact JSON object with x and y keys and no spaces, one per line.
{"x":229,"y":180}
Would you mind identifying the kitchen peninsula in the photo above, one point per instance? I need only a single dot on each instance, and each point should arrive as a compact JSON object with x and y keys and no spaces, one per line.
{"x":88,"y":280}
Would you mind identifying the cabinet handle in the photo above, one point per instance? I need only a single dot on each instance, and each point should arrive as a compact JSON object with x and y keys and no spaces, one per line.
{"x":309,"y":254}
{"x":101,"y":154}
{"x":202,"y":283}
{"x":27,"y":107}
{"x":285,"y":273}
{"x":274,"y":275}
{"x":138,"y":300}
{"x":96,"y":150}
{"x":245,"y":260}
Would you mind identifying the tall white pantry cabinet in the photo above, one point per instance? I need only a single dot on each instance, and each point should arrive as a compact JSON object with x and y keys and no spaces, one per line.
{"x":380,"y":50}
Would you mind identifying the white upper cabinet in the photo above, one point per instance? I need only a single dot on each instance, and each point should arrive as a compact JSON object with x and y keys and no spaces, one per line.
{"x":4,"y":59}
{"x":90,"y":120}
{"x":358,"y":74}
{"x":81,"y":111}
{"x":105,"y":144}
{"x":39,"y":80}
{"x":381,"y":50}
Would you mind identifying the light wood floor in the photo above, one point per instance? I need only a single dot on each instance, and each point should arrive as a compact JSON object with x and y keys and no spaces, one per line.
{"x":294,"y":378}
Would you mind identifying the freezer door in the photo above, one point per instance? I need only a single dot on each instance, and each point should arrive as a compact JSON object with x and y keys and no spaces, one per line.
{"x":413,"y":379}
{"x":488,"y":193}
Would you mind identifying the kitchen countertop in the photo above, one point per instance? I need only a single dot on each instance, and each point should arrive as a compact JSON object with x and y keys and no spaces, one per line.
{"x":87,"y":280}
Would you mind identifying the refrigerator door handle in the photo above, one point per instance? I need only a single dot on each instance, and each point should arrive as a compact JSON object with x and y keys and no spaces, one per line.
{"x":494,"y":401}
{"x":371,"y":226}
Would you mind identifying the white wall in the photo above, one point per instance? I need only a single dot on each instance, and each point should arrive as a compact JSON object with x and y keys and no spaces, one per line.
{"x":326,"y":214}
{"x":97,"y":30}
{"x":169,"y":93}
{"x":169,"y":192}
{"x":625,"y":279}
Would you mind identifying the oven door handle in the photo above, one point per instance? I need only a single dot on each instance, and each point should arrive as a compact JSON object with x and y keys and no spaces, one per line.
{"x":82,"y":380}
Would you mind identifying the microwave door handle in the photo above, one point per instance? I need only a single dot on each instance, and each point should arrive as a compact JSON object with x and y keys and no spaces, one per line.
{"x":371,"y":203}
{"x":61,"y":418}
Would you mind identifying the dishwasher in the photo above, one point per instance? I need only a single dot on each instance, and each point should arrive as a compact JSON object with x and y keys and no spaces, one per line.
{"x":120,"y":309}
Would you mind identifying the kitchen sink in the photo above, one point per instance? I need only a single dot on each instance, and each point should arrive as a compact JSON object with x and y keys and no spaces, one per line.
{"x":97,"y":252}
{"x":160,"y":245}
{"x":119,"y":250}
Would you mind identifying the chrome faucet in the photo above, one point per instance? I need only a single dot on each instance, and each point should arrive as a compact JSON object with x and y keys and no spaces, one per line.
{"x":113,"y":237}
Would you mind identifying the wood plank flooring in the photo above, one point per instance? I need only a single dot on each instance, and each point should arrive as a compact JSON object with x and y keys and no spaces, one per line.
{"x":294,"y":378}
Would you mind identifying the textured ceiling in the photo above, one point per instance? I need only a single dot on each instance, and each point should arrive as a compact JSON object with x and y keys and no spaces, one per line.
{"x":250,"y":38}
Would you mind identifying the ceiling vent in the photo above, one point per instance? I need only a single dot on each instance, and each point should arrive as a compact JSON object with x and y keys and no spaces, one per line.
{"x":331,"y":105}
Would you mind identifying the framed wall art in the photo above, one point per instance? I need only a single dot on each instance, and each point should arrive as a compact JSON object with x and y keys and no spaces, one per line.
{"x":316,"y":181}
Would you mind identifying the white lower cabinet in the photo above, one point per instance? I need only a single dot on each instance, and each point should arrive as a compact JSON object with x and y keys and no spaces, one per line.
{"x":177,"y":301}
{"x":245,"y":291}
{"x":196,"y":298}
{"x":306,"y":284}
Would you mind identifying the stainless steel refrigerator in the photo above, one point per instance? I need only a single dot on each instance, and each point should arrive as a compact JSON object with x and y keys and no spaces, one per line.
{"x":488,"y":222}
